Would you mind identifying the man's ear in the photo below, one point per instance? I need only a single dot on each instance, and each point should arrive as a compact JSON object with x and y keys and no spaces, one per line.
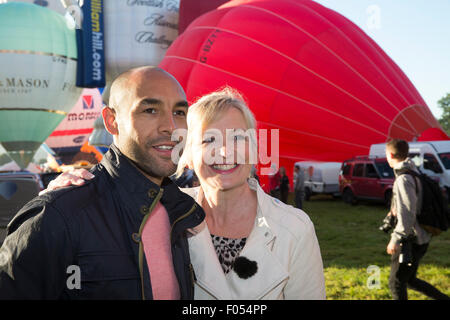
{"x":391,"y":155}
{"x":110,"y":121}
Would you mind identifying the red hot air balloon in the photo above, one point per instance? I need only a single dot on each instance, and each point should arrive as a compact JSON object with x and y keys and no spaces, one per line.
{"x":433,"y":134}
{"x":305,"y":70}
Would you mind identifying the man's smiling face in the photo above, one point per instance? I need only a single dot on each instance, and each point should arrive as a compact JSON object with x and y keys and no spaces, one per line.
{"x":150,"y":107}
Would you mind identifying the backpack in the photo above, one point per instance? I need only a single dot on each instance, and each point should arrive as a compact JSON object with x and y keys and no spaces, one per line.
{"x":433,"y":216}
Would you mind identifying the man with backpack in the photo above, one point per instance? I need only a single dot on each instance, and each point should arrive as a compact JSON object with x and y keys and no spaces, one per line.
{"x":409,"y":240}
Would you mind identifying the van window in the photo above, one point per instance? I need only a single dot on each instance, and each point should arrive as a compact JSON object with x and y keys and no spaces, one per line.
{"x":415,"y":157}
{"x":317,"y":176}
{"x":358,"y":170}
{"x":431,"y":163}
{"x":346,"y":169}
{"x":445,"y":158}
{"x":370,"y":171}
{"x":384,"y":169}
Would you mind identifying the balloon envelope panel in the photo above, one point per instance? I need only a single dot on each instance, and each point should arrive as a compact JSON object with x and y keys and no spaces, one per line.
{"x":55,"y":5}
{"x":76,"y":127}
{"x":37,"y":83}
{"x":138,"y":33}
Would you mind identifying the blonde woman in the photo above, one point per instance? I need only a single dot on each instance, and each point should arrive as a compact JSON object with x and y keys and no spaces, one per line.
{"x":251,"y":246}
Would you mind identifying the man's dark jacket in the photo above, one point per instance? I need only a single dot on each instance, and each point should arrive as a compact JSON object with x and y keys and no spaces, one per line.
{"x":96,"y":227}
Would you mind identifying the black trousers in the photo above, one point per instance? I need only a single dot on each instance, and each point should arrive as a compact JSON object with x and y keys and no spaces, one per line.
{"x":284,"y":193}
{"x":403,"y":276}
{"x":299,"y":199}
{"x":275,"y":193}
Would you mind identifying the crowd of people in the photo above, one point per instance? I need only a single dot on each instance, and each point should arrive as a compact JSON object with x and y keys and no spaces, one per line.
{"x":134,"y":234}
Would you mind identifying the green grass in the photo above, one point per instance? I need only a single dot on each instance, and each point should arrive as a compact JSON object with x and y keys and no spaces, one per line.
{"x":350,"y":242}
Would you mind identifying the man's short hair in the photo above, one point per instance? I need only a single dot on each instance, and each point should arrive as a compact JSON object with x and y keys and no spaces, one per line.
{"x":399,"y":148}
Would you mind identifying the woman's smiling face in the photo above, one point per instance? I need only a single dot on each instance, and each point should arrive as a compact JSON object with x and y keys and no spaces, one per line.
{"x":221,"y":151}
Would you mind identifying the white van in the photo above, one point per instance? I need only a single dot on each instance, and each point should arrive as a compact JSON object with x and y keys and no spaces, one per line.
{"x":320,"y":177}
{"x":431,"y":157}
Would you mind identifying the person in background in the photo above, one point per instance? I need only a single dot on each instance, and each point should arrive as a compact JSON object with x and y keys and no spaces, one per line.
{"x":284,"y":185}
{"x":185,"y":180}
{"x":274,"y":182}
{"x":195,"y":182}
{"x":299,"y":186}
{"x":406,"y":201}
{"x":254,"y":174}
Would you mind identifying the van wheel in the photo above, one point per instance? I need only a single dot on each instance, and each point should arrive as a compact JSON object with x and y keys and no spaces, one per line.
{"x":388,"y":198}
{"x":348,"y":196}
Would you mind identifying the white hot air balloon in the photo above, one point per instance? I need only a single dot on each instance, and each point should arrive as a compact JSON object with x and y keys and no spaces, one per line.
{"x":138,"y":33}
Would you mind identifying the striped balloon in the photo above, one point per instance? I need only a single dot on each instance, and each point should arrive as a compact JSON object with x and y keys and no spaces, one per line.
{"x":71,"y":134}
{"x":37,"y":80}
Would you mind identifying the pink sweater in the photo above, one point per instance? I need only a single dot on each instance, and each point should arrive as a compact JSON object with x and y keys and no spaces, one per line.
{"x":157,"y":249}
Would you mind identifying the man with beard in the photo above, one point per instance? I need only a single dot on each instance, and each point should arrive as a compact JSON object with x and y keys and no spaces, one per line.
{"x":122,"y":235}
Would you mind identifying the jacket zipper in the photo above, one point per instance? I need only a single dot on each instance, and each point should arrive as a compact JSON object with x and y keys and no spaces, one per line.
{"x":191,"y":269}
{"x":141,"y":247}
{"x":182,"y":217}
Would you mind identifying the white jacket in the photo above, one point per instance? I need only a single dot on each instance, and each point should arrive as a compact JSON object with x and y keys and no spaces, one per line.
{"x":284,"y":245}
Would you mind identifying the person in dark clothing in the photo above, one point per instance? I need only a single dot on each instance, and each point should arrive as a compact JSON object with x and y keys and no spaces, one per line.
{"x":274,"y":184}
{"x":406,"y":201}
{"x":98,"y":240}
{"x":284,"y":185}
{"x":254,"y":174}
{"x":299,"y":186}
{"x":185,"y":180}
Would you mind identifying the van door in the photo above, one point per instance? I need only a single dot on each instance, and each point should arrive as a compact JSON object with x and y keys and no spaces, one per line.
{"x":371,"y":187}
{"x":445,"y":159}
{"x":431,"y":166}
{"x":358,"y":179}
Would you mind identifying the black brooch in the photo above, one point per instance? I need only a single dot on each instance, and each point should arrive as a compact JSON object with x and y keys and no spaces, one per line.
{"x":244,"y":267}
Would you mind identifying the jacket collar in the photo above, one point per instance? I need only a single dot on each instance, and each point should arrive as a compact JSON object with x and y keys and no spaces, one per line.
{"x":138,"y":192}
{"x":405,"y":165}
{"x":122,"y":169}
{"x":259,"y":247}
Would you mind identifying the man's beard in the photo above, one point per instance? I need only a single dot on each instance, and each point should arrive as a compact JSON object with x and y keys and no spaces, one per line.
{"x":148,"y":162}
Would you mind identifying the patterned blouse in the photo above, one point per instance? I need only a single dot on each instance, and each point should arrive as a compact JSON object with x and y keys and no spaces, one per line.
{"x":227,"y":250}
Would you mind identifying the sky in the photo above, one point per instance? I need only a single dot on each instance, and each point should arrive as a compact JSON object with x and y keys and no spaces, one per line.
{"x":414,"y":33}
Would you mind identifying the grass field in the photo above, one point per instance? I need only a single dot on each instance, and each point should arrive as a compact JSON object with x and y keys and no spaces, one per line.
{"x":350,"y":242}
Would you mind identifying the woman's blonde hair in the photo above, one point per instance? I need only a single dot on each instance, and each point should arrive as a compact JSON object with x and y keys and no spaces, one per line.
{"x":208,"y":109}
